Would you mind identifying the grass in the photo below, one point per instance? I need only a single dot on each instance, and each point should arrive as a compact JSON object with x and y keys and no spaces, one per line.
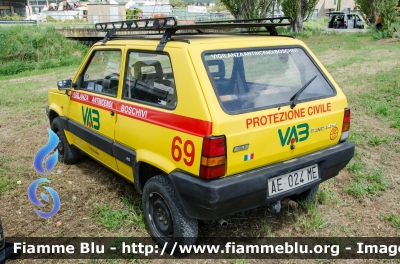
{"x":267,"y":229}
{"x":315,"y":221}
{"x":393,"y":218}
{"x":382,"y":100}
{"x":25,"y":94}
{"x":115,"y":219}
{"x":370,"y":139}
{"x":26,"y":48}
{"x":6,"y":183}
{"x":367,"y":183}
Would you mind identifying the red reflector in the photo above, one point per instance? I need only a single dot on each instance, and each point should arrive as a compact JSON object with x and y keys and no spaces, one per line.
{"x":346,"y":118}
{"x":213,"y":146}
{"x":212,"y":172}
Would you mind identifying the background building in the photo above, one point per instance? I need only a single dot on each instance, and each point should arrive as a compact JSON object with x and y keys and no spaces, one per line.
{"x":8,"y":7}
{"x":324,"y":6}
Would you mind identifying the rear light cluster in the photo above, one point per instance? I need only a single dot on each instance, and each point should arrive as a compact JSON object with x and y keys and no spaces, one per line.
{"x":346,"y":125}
{"x":213,"y":158}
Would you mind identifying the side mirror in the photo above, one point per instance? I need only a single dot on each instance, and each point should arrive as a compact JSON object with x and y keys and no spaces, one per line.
{"x":64,"y":84}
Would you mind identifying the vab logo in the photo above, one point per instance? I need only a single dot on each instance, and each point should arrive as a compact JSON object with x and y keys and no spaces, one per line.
{"x":91,"y":117}
{"x":49,"y":164}
{"x":294,"y":134}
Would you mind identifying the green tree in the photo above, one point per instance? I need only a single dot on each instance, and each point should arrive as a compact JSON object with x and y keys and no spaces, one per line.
{"x":367,"y":9}
{"x":300,"y":10}
{"x":177,"y":3}
{"x":218,"y":7}
{"x":388,"y":14}
{"x":133,"y":14}
{"x":338,"y":6}
{"x":245,"y":9}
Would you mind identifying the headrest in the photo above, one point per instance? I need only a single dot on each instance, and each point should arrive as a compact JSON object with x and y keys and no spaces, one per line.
{"x":220,"y":73}
{"x":147,"y":69}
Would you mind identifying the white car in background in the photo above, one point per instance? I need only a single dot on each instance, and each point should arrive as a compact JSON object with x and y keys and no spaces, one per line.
{"x":343,"y":20}
{"x":39,"y":17}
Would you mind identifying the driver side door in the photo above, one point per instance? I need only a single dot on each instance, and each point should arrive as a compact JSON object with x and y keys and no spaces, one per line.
{"x":93,"y":104}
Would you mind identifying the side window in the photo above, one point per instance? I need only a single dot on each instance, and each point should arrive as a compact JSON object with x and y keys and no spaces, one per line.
{"x":102,"y":73}
{"x":150,"y":79}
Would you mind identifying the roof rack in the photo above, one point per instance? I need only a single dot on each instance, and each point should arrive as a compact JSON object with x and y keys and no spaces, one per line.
{"x":170,"y":26}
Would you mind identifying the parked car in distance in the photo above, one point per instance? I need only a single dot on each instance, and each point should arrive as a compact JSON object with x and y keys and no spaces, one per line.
{"x":343,"y":20}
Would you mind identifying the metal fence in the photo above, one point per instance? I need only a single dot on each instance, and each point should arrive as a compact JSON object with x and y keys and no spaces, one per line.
{"x":19,"y":22}
{"x":88,"y":21}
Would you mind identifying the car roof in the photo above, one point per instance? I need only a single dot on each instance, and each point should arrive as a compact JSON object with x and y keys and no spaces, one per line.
{"x":335,"y":13}
{"x":181,"y":40}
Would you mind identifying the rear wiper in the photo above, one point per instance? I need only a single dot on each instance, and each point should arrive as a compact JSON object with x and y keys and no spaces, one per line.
{"x":295,"y":97}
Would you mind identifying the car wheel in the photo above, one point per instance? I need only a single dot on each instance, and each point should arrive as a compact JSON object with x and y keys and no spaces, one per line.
{"x":66,"y":153}
{"x":164,"y":216}
{"x":306,"y":195}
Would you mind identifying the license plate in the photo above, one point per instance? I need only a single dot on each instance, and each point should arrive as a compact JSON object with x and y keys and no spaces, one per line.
{"x":292,"y":180}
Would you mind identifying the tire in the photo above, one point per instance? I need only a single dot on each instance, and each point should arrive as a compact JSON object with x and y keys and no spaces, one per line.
{"x":66,"y":153}
{"x":306,"y":195}
{"x":165,"y":217}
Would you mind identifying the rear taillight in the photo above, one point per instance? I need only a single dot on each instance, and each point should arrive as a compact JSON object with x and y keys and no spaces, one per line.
{"x":346,"y":125}
{"x":213,"y":158}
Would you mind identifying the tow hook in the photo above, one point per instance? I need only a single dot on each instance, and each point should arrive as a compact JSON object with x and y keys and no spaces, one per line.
{"x":274,"y":207}
{"x":222,"y":223}
{"x":290,"y":203}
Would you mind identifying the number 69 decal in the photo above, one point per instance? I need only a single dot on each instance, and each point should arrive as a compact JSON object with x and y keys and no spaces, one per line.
{"x":188,"y":150}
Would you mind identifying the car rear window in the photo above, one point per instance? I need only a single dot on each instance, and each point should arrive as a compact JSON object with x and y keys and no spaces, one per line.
{"x":249,"y":80}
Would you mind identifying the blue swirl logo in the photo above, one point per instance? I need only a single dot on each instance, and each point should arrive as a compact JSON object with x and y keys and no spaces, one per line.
{"x":32,"y":196}
{"x":44,"y":151}
{"x":49,"y":165}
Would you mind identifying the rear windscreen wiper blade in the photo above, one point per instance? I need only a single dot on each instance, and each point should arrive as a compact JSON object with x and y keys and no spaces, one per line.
{"x":295,"y":97}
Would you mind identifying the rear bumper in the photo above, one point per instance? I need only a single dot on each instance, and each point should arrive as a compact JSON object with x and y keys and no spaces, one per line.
{"x":213,"y":199}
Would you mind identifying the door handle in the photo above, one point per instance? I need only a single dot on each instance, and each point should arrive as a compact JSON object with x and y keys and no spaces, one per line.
{"x":112,"y":112}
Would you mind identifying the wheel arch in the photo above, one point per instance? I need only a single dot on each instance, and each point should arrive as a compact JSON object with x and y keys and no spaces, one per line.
{"x":54,"y":111}
{"x":145,"y":168}
{"x":144,"y":171}
{"x":52,"y":114}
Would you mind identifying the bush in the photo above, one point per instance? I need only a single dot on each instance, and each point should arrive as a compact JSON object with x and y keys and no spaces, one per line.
{"x":388,"y":15}
{"x":26,"y":47}
{"x":14,"y":17}
{"x":15,"y":67}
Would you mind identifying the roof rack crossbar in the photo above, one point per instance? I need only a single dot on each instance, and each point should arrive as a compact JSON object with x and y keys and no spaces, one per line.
{"x":170,"y":26}
{"x":279,"y":21}
{"x":139,"y":24}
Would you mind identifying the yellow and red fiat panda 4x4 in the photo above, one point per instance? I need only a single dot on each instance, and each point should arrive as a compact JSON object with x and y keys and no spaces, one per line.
{"x":204,"y":124}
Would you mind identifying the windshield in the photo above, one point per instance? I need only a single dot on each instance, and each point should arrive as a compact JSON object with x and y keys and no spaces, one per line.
{"x":248,"y":80}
